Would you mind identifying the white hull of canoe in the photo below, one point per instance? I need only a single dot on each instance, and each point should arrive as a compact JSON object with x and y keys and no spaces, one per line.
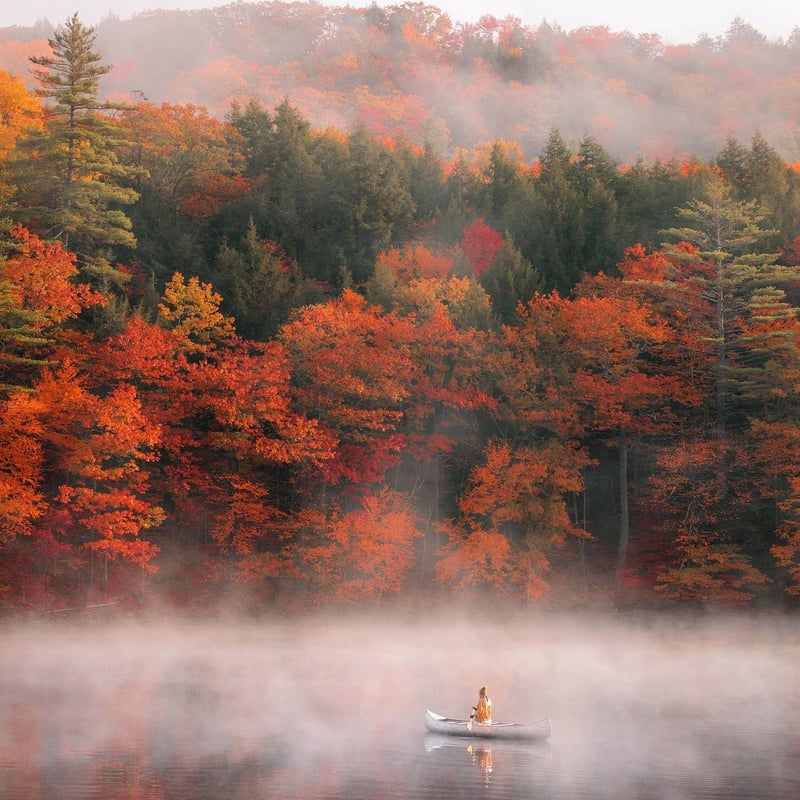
{"x":436,"y":723}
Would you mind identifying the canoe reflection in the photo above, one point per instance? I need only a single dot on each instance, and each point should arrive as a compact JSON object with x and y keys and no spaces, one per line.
{"x":484,"y":755}
{"x":482,"y":759}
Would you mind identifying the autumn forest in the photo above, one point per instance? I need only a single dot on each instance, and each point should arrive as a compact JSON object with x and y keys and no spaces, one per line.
{"x":282,"y":321}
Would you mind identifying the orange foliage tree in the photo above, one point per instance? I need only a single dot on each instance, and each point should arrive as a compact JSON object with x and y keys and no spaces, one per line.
{"x":513,"y":515}
{"x":193,"y":161}
{"x":570,"y":371}
{"x":413,"y":261}
{"x":190,"y":309}
{"x":232,"y":447}
{"x":473,"y":558}
{"x":351,"y":369}
{"x":521,"y":487}
{"x":25,"y":556}
{"x":38,"y":294}
{"x":21,"y":466}
{"x":730,"y":337}
{"x":481,"y":244}
{"x":616,"y":342}
{"x":703,"y":566}
{"x":366,"y":553}
{"x":19,"y":109}
{"x":95,"y":449}
{"x":392,"y":389}
{"x":104,"y":494}
{"x":38,"y":299}
{"x":415,"y":280}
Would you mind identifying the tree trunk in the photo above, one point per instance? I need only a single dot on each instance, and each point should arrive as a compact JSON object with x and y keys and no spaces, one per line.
{"x":580,"y":523}
{"x":624,"y":516}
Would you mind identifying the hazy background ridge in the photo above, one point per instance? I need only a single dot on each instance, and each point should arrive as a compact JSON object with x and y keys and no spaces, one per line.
{"x":408,"y":72}
{"x":679,"y":22}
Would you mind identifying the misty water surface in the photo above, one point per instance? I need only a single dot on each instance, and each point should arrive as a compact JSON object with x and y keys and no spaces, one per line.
{"x":332,"y":707}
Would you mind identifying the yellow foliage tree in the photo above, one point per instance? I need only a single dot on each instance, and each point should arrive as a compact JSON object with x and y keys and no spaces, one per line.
{"x":190,"y":309}
{"x":19,"y":110}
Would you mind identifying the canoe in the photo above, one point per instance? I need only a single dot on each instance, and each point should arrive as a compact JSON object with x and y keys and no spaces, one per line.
{"x":436,"y":723}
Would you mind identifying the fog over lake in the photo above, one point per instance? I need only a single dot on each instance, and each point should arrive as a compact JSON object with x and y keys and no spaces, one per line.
{"x":332,"y":706}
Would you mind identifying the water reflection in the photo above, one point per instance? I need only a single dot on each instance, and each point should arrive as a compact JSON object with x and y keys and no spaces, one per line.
{"x":283,"y":710}
{"x":509,"y":756}
{"x":482,"y":759}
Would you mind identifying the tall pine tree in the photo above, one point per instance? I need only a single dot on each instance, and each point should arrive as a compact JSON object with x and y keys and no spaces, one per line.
{"x":728,"y":277}
{"x":72,"y":185}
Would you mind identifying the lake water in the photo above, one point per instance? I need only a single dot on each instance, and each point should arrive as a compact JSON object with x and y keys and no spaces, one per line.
{"x":331,"y":707}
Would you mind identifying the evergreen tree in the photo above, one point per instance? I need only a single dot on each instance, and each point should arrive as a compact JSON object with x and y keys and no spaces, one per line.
{"x":423,"y":174}
{"x":503,"y":186}
{"x":767,"y":341}
{"x":20,"y":337}
{"x":260,"y":284}
{"x":760,"y":174}
{"x":558,"y":220}
{"x":293,"y":177}
{"x":363,"y":204}
{"x":254,"y":122}
{"x":727,"y":233}
{"x":331,"y":201}
{"x":576,"y":221}
{"x":732,"y":161}
{"x":775,"y":187}
{"x":648,"y":196}
{"x":287,"y":183}
{"x":510,"y":280}
{"x":595,"y":176}
{"x":720,"y":522}
{"x":71,"y":182}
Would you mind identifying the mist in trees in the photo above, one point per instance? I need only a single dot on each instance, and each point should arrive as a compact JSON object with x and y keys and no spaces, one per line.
{"x":412,"y":72}
{"x":300,"y":364}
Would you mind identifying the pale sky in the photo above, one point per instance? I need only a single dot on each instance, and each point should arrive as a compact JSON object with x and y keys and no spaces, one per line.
{"x":677,"y":21}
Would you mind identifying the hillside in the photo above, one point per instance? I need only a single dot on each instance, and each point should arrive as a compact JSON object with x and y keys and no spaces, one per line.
{"x":252,"y":356}
{"x":410,"y":71}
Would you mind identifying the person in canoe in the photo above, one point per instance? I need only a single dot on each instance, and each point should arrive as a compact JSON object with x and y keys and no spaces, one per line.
{"x":482,"y":712}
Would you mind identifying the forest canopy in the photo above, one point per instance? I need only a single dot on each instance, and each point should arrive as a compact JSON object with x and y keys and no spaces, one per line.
{"x":409,"y":71}
{"x":247,"y":349}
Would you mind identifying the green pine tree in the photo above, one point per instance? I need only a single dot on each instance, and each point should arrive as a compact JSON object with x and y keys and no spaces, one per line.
{"x":22,"y":342}
{"x":748,"y":324}
{"x":72,"y":185}
{"x":260,"y":284}
{"x":559,"y":236}
{"x":510,"y":280}
{"x":727,"y":233}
